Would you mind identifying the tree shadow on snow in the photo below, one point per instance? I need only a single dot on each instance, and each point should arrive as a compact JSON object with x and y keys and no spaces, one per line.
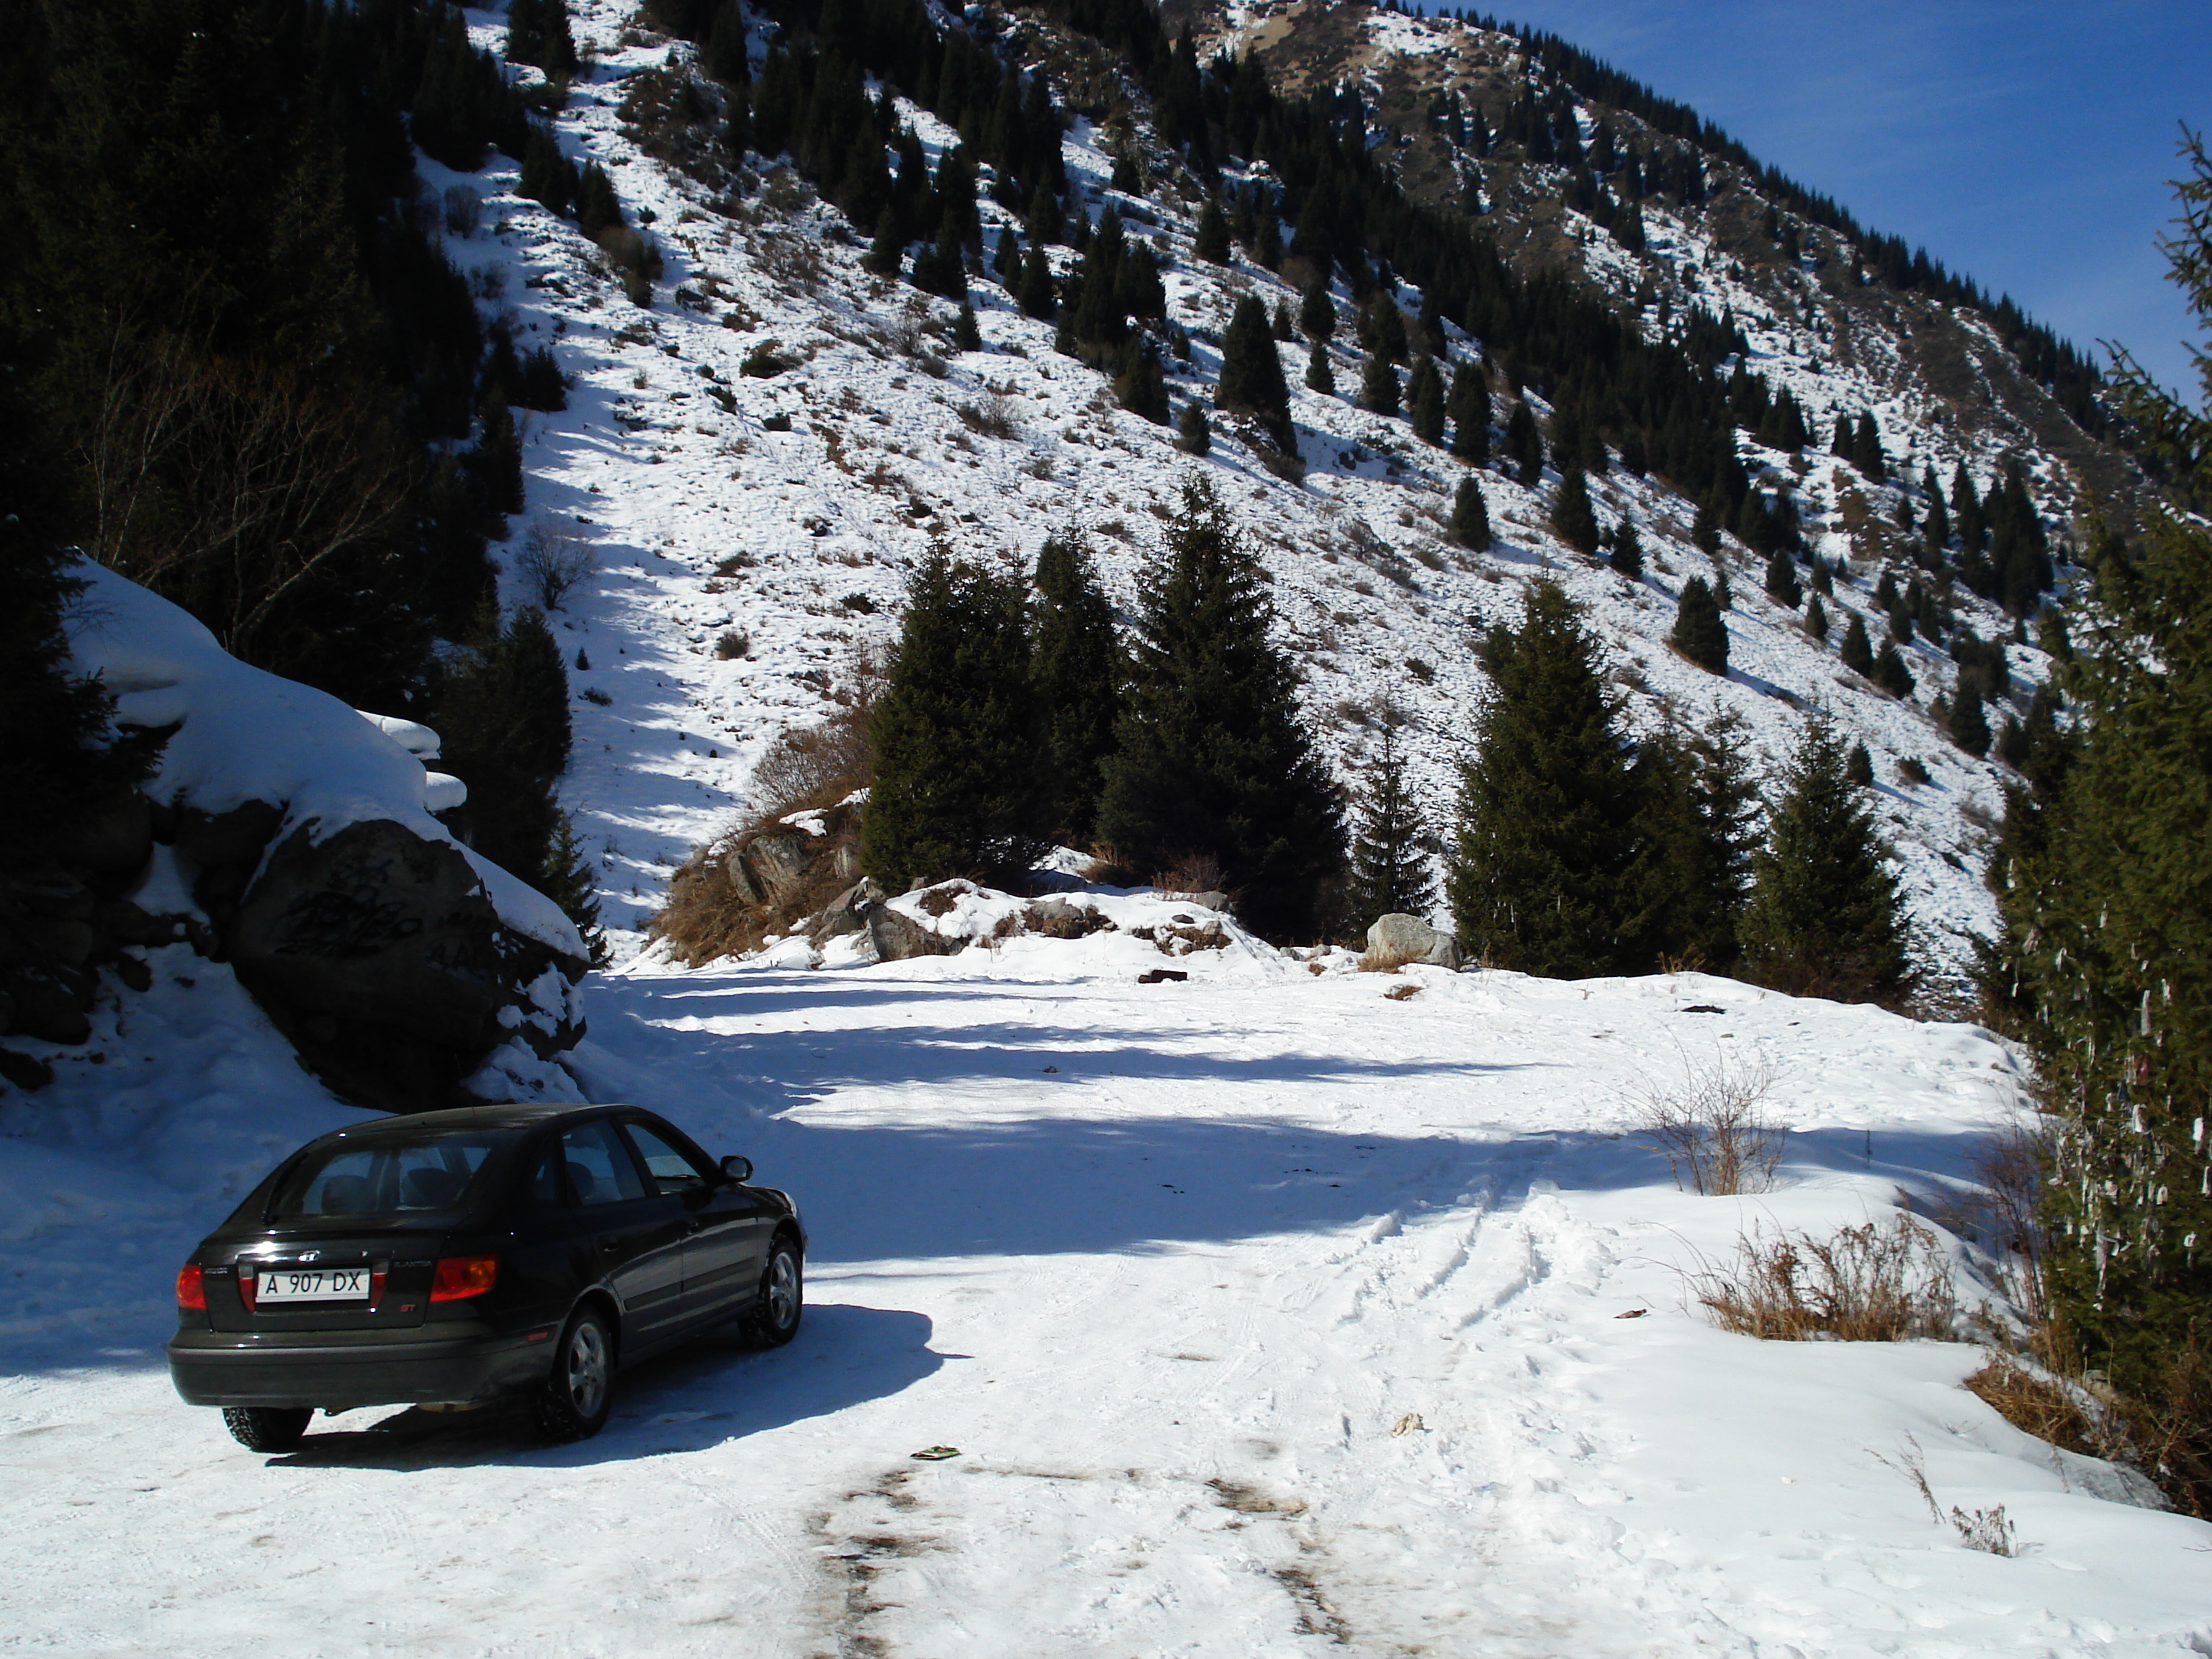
{"x":713,"y":1388}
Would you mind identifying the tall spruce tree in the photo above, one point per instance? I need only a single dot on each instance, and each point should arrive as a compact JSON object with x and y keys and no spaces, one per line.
{"x":1390,"y":873}
{"x":1700,"y":806}
{"x":1077,"y":669}
{"x":1544,"y":871}
{"x":2104,"y":965}
{"x":955,"y":733}
{"x":1212,"y":759}
{"x":1573,"y":517}
{"x":1857,"y":650}
{"x":1251,"y":381}
{"x":1825,"y":918}
{"x":1320,"y":373}
{"x":1425,"y":401}
{"x":1524,"y":444}
{"x":1699,"y":634}
{"x":1470,"y":517}
{"x":1469,"y":408}
{"x":1378,"y":384}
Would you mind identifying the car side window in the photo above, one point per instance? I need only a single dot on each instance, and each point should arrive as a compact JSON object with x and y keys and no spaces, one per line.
{"x":599,"y":1168}
{"x":544,"y":1184}
{"x":673,"y":1171}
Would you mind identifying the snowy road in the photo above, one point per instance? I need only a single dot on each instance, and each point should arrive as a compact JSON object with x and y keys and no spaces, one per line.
{"x":1169,"y":1264}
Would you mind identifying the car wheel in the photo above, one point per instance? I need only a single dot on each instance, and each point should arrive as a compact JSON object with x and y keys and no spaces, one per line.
{"x":782,"y":1295}
{"x":268,"y":1428}
{"x":572,"y":1404}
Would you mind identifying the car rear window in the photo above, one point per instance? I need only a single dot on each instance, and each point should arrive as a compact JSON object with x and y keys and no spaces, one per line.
{"x":383,"y":1177}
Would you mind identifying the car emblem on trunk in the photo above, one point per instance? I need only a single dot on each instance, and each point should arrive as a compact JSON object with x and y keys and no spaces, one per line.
{"x":311,"y":1255}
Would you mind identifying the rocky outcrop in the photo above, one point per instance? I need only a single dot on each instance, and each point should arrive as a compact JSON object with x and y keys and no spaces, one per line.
{"x":384,"y":958}
{"x":1397,"y":940}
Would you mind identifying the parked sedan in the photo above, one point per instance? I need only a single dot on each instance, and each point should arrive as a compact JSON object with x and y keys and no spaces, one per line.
{"x":457,"y":1257}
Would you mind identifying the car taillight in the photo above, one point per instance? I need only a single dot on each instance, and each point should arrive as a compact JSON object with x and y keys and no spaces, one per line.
{"x":191,"y":1289}
{"x":460,"y":1276}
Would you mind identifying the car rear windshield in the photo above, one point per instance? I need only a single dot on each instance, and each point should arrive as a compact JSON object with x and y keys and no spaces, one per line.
{"x":383,"y":1177}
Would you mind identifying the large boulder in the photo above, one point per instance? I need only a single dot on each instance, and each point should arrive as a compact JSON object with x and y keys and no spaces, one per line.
{"x":1396,"y":939}
{"x":386,"y":959}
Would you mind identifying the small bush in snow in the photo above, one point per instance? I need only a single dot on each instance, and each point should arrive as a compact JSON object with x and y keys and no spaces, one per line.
{"x":732,"y":644}
{"x":552,"y":564}
{"x":464,"y":210}
{"x":1866,"y":1284}
{"x":1710,"y":1127}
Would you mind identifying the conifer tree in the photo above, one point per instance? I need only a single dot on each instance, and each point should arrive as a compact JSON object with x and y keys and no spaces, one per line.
{"x":1470,"y":517}
{"x":1317,"y":312}
{"x":501,"y":713}
{"x":1426,"y":402}
{"x":1211,"y":243}
{"x":1857,"y":651}
{"x":1699,"y":634}
{"x":966,"y":336}
{"x":2104,"y":965}
{"x":955,"y":735}
{"x":1321,"y":372}
{"x":1781,"y":584}
{"x":1698,"y":805}
{"x":1891,"y":674}
{"x":1036,"y":297}
{"x":1284,"y":329}
{"x":1859,"y":767}
{"x":1573,"y":517}
{"x":1967,"y":723}
{"x":1524,"y":445}
{"x":1252,"y":373}
{"x":1543,"y":877}
{"x":1816,"y":619}
{"x":1469,"y":409}
{"x":1824,"y":917}
{"x":1194,"y":432}
{"x":1389,"y":871}
{"x":1379,"y":385}
{"x":1077,"y":669}
{"x":1211,"y":757}
{"x":1627,"y":556}
{"x":888,"y":251}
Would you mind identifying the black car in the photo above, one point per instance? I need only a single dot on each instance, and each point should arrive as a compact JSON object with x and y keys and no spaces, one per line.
{"x":456,"y":1257}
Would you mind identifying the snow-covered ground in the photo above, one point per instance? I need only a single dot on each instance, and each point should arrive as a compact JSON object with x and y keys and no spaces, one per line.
{"x":1269,"y":1314}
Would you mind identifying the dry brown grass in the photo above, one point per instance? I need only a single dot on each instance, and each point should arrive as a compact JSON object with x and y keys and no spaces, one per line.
{"x":1709,"y":1124}
{"x":1866,"y":1284}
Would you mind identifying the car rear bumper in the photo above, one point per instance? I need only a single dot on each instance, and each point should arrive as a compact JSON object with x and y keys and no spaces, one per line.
{"x":218,"y":1368}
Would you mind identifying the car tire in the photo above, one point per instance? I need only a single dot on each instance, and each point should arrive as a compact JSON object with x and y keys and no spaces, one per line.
{"x":783,"y":1297}
{"x":573,"y":1403}
{"x":268,"y":1428}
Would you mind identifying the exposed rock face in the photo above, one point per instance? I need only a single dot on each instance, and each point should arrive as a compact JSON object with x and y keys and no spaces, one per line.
{"x":383,"y":958}
{"x":1397,"y":939}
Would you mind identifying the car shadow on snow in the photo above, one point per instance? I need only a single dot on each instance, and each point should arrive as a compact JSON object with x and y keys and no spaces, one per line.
{"x":715,"y":1387}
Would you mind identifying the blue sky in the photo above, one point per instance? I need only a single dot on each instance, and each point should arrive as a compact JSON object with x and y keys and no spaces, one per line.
{"x":2025,"y":142}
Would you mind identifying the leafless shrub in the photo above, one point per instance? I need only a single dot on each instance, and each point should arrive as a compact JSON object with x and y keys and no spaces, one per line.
{"x":1987,"y":1530}
{"x":1866,"y":1284}
{"x":784,"y":190}
{"x":991,"y":415}
{"x":733,"y":644}
{"x":1192,"y":873}
{"x":552,"y":564}
{"x":1709,"y":1125}
{"x":464,"y":210}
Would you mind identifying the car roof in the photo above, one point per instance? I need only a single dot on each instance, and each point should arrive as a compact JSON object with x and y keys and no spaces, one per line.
{"x":515,"y":1115}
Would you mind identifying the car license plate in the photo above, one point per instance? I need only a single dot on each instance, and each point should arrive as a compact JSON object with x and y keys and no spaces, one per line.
{"x":313,"y":1285}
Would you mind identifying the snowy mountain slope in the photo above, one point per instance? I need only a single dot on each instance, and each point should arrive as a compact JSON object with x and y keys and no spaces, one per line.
{"x":1268,"y":1315}
{"x":709,"y":521}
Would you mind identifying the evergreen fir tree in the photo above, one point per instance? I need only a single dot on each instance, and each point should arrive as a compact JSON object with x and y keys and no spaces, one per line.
{"x":1816,"y":619}
{"x":1252,"y":373}
{"x":1470,"y":517}
{"x":955,"y":735}
{"x":2104,"y":965}
{"x":1824,"y":917}
{"x":1317,"y":312}
{"x":1859,"y":767}
{"x":1379,"y":385}
{"x":1698,"y":805}
{"x":571,"y":881}
{"x":1077,"y":670}
{"x":1321,"y":372}
{"x":1968,"y":725}
{"x":1283,"y":330}
{"x":966,"y":336}
{"x":1699,"y":634}
{"x":1036,"y":297}
{"x":1389,"y":871}
{"x":1891,"y":674}
{"x":1426,"y":402}
{"x":1857,"y":652}
{"x":1544,"y":868}
{"x":1626,"y":556}
{"x":1469,"y":409}
{"x":1210,"y":757}
{"x":888,"y":251}
{"x":1782,"y":586}
{"x":502,"y":717}
{"x":1524,"y":445}
{"x":1194,"y":432}
{"x":1211,"y":243}
{"x":1573,"y":519}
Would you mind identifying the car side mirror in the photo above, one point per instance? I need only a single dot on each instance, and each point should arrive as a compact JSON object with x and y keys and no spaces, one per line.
{"x":738,"y":1169}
